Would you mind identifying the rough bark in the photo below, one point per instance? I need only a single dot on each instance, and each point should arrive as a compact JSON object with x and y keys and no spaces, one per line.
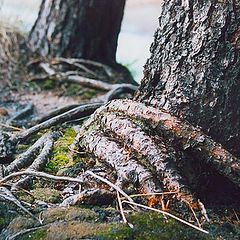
{"x":186,"y":135}
{"x":78,"y":28}
{"x":127,"y":168}
{"x":194,"y":68}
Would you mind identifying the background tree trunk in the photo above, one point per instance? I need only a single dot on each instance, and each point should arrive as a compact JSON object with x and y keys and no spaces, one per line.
{"x":194,"y":68}
{"x":81,"y":29}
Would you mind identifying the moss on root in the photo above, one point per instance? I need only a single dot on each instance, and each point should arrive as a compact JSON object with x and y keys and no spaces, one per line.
{"x":152,"y":226}
{"x":61,"y":155}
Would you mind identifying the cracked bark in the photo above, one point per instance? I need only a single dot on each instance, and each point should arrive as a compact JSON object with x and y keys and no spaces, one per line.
{"x":126,"y":166}
{"x":194,"y":68}
{"x":80,"y":29}
{"x":186,"y":135}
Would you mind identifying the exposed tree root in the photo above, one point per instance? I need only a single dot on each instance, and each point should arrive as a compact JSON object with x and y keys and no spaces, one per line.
{"x":187,"y":136}
{"x":8,"y":143}
{"x":160,"y":156}
{"x":74,"y":76}
{"x":27,"y":157}
{"x":38,"y":163}
{"x":127,"y":168}
{"x":120,"y":135}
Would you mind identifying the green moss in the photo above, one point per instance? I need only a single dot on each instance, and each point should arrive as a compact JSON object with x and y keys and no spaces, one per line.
{"x":39,"y":234}
{"x":46,"y":194}
{"x":69,"y":214}
{"x":77,"y":90}
{"x":115,"y":231}
{"x":89,"y":93}
{"x":152,"y":226}
{"x":49,"y":84}
{"x":61,"y":155}
{"x":2,"y":222}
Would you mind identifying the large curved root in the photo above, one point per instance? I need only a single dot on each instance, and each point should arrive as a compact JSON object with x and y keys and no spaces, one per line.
{"x":140,"y":146}
{"x":126,"y":166}
{"x":8,"y":143}
{"x":186,"y":135}
{"x":124,"y":125}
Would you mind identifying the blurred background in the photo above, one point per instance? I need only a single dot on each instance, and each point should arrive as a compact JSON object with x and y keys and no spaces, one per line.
{"x":139,"y":23}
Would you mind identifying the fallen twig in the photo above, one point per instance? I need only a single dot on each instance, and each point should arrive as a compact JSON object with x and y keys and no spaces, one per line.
{"x":7,"y":195}
{"x":168,"y":214}
{"x":39,"y":174}
{"x":110,"y":184}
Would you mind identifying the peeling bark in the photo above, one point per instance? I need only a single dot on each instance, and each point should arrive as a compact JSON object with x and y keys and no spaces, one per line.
{"x":159,"y":156}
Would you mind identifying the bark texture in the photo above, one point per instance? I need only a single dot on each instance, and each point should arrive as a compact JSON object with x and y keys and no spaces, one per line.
{"x":78,"y":28}
{"x":194,"y":68}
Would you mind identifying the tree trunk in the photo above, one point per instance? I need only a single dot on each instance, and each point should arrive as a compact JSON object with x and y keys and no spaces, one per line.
{"x":81,"y":29}
{"x":193,"y":74}
{"x":194,"y":68}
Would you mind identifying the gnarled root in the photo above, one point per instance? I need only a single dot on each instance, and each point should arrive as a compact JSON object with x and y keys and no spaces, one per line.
{"x":141,"y":146}
{"x":123,"y":128}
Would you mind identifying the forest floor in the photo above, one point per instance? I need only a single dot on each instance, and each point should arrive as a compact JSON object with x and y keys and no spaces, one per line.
{"x":82,"y":221}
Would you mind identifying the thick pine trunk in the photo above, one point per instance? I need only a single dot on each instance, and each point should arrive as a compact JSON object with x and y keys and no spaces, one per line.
{"x":194,"y":68}
{"x":78,"y":28}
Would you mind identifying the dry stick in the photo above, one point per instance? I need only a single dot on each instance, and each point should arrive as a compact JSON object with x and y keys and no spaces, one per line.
{"x":11,"y":127}
{"x":87,"y":82}
{"x":108,"y":183}
{"x":166,"y":213}
{"x":46,"y":67}
{"x":80,"y":111}
{"x":7,"y":195}
{"x":150,"y":194}
{"x":121,"y":208}
{"x":39,"y":174}
{"x":106,"y":68}
{"x":72,"y":61}
{"x":84,"y":81}
{"x":194,"y":214}
{"x":187,"y":136}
